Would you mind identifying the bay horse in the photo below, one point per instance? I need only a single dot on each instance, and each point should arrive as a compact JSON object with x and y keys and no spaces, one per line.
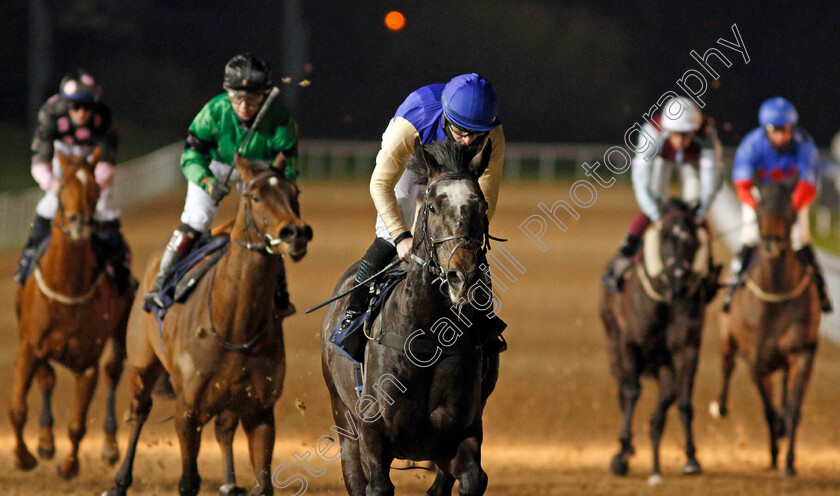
{"x":774,"y":321}
{"x":654,"y":327}
{"x":223,"y":347}
{"x":423,"y":395}
{"x":66,"y":312}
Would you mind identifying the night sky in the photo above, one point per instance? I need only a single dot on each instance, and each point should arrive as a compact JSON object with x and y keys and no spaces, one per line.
{"x":564,"y":71}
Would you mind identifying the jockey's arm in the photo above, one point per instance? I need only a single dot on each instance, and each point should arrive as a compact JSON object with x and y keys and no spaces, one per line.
{"x":397,"y":147}
{"x":105,"y":168}
{"x":491,"y":179}
{"x":201,"y":139}
{"x":641,"y":171}
{"x":806,"y":187}
{"x":284,"y":147}
{"x":708,"y":178}
{"x":42,"y":149}
{"x":743,"y":168}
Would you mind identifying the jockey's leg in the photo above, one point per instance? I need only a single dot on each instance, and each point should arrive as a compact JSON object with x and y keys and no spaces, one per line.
{"x":39,"y":231}
{"x":113,"y":250}
{"x":199,"y":212}
{"x":629,"y":247}
{"x":281,"y":294}
{"x":806,"y":255}
{"x":740,"y":263}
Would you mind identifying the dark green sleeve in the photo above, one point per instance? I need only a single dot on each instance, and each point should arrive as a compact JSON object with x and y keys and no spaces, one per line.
{"x":201,"y":139}
{"x":285,"y":142}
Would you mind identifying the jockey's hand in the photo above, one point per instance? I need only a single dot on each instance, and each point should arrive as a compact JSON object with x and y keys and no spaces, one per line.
{"x":404,"y":249}
{"x":55,"y":185}
{"x":217,"y":190}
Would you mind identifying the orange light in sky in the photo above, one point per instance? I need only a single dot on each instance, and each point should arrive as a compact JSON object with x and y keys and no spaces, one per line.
{"x":394,"y":20}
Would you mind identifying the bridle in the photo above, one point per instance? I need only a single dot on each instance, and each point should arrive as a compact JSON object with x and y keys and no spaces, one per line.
{"x":478,"y":245}
{"x":89,"y":221}
{"x":667,"y":266}
{"x":266,"y":242}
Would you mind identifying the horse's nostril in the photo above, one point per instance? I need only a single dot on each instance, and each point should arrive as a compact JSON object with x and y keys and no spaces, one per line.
{"x":307,"y":232}
{"x":287,"y":233}
{"x":453,"y":277}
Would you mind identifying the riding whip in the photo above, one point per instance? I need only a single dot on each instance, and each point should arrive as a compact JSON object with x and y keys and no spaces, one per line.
{"x":271,"y":96}
{"x":348,"y":291}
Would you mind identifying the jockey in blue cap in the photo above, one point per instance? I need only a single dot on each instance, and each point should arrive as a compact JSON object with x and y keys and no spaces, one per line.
{"x":775,"y":151}
{"x":463,"y":111}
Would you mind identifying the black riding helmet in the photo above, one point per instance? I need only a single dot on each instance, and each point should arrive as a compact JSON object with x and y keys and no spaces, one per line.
{"x":79,"y":86}
{"x":246,"y":72}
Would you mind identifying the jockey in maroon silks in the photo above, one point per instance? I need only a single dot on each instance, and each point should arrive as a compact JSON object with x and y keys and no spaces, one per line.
{"x":686,"y":143}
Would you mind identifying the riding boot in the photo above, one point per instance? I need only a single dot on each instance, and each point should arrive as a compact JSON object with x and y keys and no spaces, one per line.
{"x":622,"y":262}
{"x":113,"y":251}
{"x":744,"y":258}
{"x":380,"y":253}
{"x":178,"y":247}
{"x":285,"y":308}
{"x":38,"y":232}
{"x":806,"y":255}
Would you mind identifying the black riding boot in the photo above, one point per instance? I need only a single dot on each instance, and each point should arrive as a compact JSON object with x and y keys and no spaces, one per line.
{"x":112,"y":250}
{"x":178,"y":247}
{"x":744,"y":258}
{"x":806,"y":255}
{"x":285,"y":308}
{"x":37,"y":233}
{"x":380,"y":253}
{"x":622,"y":261}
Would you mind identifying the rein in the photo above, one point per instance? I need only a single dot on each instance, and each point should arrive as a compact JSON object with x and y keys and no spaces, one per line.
{"x":65,"y":299}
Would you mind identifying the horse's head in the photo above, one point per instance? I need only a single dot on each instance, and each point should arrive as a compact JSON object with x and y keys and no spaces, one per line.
{"x":683,"y":249}
{"x":453,"y":221}
{"x":77,"y":197}
{"x":776,"y":215}
{"x":271,"y":212}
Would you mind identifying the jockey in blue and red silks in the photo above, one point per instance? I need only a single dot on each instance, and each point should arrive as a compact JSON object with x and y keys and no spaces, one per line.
{"x":774,"y":151}
{"x":687,"y":143}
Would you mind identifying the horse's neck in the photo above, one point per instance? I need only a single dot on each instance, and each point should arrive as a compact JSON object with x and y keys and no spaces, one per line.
{"x":423,"y":303}
{"x":68,"y":267}
{"x":243,"y":292}
{"x":782,"y":272}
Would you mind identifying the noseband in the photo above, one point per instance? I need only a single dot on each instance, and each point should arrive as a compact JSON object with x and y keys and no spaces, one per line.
{"x":267,"y":242}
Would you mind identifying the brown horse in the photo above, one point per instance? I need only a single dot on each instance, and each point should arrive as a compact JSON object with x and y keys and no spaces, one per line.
{"x":774,"y":321}
{"x":66,"y":313}
{"x":654,"y":328}
{"x":223,"y":348}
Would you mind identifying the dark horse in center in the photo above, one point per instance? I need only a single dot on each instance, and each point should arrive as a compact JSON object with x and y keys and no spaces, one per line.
{"x":654,"y":327}
{"x":424,"y":381}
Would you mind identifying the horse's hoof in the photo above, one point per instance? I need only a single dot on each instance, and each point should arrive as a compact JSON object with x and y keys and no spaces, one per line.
{"x":46,"y":453}
{"x":110,"y":453}
{"x":692,"y":467}
{"x":655,"y":480}
{"x":717,"y":411}
{"x":115,"y":491}
{"x":68,"y":469}
{"x":232,"y":490}
{"x":25,"y":461}
{"x":789,"y":472}
{"x":619,"y":465}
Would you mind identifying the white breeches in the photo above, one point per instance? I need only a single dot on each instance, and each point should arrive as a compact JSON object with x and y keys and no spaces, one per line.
{"x":199,"y":208}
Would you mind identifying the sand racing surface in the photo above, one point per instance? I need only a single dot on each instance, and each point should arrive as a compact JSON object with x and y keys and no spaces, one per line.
{"x":550,"y":428}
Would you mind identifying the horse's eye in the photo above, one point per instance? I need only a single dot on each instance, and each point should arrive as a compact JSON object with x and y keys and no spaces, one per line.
{"x":255,"y":198}
{"x":432,"y":209}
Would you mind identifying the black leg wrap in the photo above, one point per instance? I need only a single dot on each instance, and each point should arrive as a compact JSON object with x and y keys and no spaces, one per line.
{"x":38,"y":232}
{"x":376,"y":258}
{"x":807,"y":256}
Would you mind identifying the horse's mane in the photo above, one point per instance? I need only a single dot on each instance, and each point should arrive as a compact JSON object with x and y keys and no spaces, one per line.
{"x":676,"y":206}
{"x":439,"y":157}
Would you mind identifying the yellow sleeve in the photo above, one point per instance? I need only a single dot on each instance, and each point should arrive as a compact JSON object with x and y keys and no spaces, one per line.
{"x":492,"y":177}
{"x":397,"y":147}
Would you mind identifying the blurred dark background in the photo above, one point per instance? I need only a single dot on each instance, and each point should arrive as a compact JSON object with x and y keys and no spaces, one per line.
{"x":569,"y":71}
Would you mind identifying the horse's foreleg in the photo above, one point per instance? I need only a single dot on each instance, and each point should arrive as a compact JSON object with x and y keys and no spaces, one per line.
{"x":774,"y":423}
{"x":226,"y":423}
{"x":377,"y":457}
{"x":25,"y":367}
{"x":628,"y":393}
{"x":85,"y":386}
{"x":667,"y":397}
{"x":113,"y":372}
{"x":467,"y":466}
{"x":686,"y":369}
{"x":728,"y":349}
{"x":189,"y":435}
{"x":46,"y":442}
{"x":800,"y":367}
{"x":260,"y":431}
{"x":355,"y":480}
{"x":443,"y":484}
{"x":142,"y":382}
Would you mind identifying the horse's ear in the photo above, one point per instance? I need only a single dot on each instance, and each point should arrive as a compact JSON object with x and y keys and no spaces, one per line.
{"x":477,"y":167}
{"x":243,"y":165}
{"x":791,"y":182}
{"x":63,"y":161}
{"x":421,"y":162}
{"x":97,"y":155}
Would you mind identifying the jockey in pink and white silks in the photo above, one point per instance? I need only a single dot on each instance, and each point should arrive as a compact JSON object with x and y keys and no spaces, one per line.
{"x":687,"y":147}
{"x":74,"y":122}
{"x":777,"y":150}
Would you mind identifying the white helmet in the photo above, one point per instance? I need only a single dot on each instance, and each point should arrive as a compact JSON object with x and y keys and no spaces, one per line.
{"x":680,"y":115}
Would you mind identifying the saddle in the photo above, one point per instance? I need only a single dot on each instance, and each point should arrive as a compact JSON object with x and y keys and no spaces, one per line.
{"x":186,"y":274}
{"x":104,"y":247}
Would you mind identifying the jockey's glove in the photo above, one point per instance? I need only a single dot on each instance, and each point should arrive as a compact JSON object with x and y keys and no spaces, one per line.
{"x":217,"y":190}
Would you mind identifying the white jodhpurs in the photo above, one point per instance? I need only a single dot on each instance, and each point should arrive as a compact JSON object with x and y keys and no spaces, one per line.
{"x":199,"y":208}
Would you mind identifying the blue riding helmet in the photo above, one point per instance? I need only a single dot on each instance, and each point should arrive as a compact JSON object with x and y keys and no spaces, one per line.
{"x":469,"y":101}
{"x":777,"y":111}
